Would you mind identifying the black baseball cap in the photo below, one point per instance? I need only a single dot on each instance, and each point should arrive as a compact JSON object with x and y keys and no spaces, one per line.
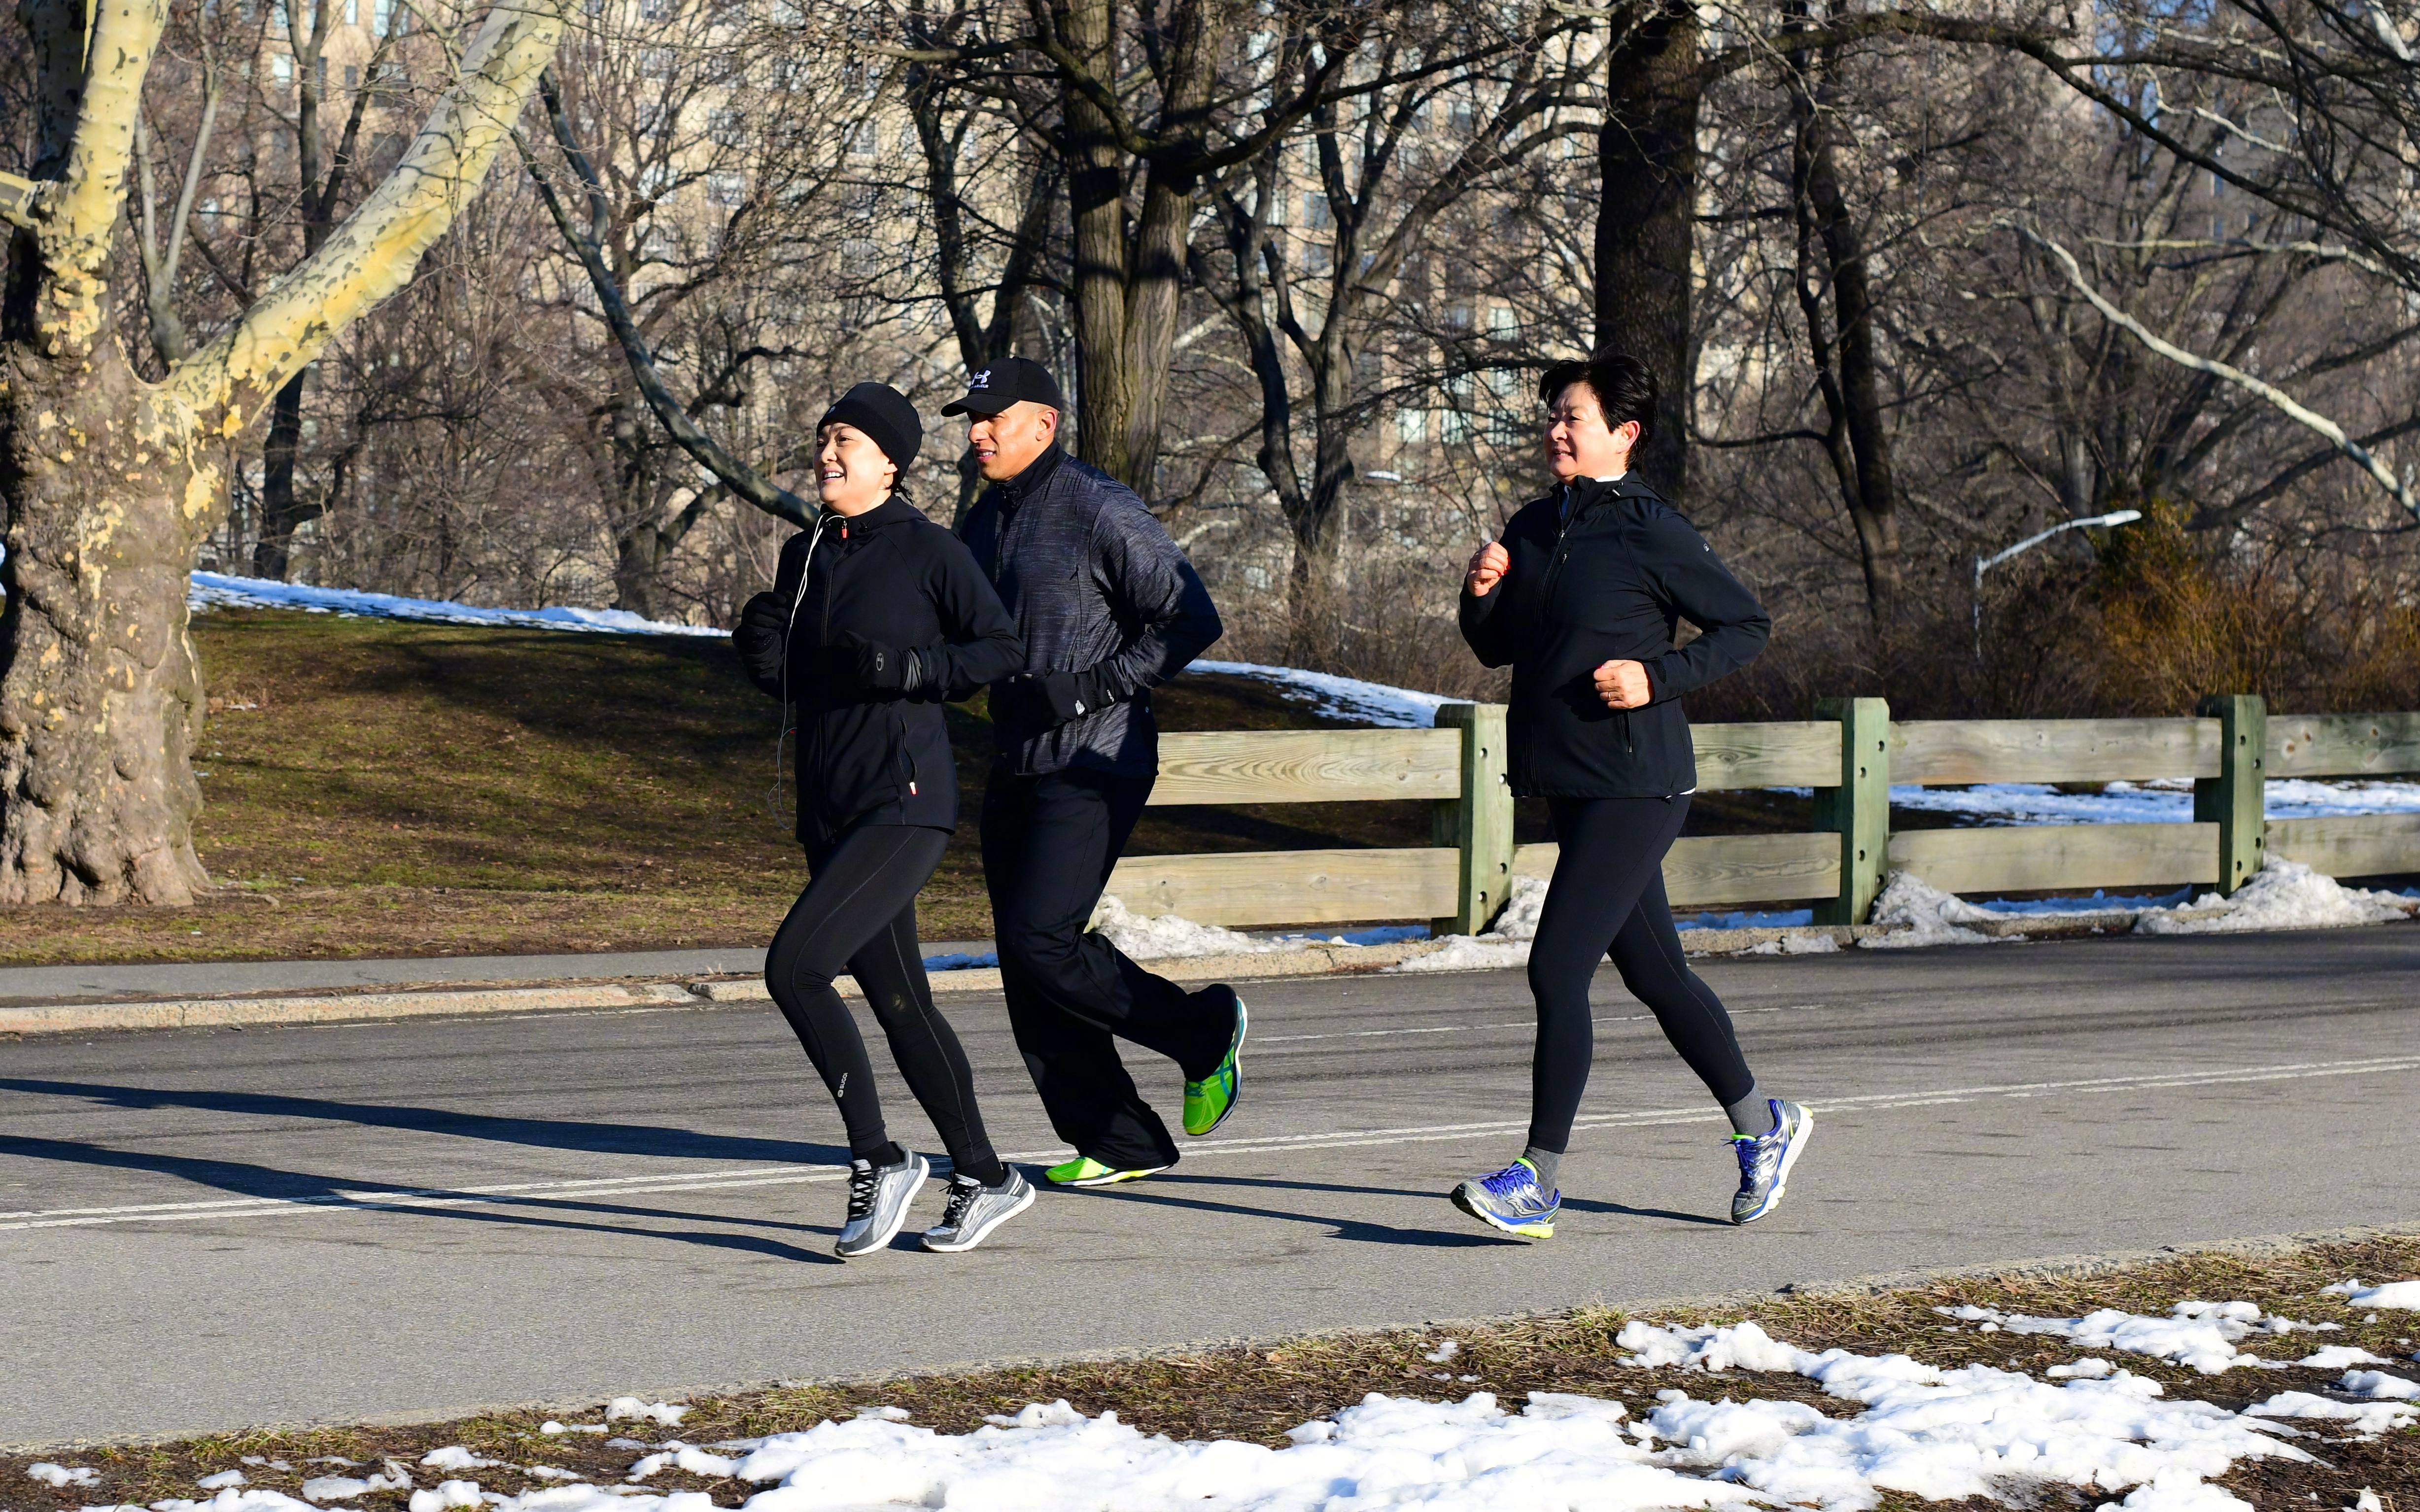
{"x":991,"y":390}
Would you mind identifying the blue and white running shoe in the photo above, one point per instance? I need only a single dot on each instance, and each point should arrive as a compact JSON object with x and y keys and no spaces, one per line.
{"x":1512,"y":1201}
{"x":1765,"y":1162}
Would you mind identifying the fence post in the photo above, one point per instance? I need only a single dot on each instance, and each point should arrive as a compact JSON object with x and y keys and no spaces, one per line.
{"x":1480,"y":823}
{"x":1860,"y":809}
{"x":2236,"y":800}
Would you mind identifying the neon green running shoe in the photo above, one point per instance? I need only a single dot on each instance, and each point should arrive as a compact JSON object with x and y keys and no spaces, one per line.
{"x":1209,"y":1101}
{"x":1086,"y":1171}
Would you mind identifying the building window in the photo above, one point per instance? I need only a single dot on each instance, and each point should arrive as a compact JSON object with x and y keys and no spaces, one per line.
{"x":352,"y":76}
{"x":1412,"y":426}
{"x":728,"y":126}
{"x":655,"y":9}
{"x":1318,"y":257}
{"x":657,"y":62}
{"x":352,"y":12}
{"x":728,"y":190}
{"x":1315,"y":213}
{"x":281,"y":68}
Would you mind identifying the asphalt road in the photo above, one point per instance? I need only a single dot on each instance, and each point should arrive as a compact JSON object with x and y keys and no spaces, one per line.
{"x":201,"y":1229}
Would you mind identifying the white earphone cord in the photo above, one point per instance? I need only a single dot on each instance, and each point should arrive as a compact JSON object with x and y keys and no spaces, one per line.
{"x":781,"y":742}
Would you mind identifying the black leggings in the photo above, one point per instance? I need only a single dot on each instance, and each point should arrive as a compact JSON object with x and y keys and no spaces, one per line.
{"x":1608,"y":890}
{"x":860,"y":914}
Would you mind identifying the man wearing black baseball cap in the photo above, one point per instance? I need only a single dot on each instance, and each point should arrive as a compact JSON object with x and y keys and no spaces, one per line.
{"x":1107,"y":608}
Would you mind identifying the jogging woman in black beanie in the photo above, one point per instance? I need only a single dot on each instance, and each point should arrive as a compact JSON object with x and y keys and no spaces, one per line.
{"x":1582,"y":597}
{"x":878,"y":616}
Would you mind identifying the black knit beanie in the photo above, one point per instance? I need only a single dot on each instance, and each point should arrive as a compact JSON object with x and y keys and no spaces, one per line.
{"x":884,"y":413}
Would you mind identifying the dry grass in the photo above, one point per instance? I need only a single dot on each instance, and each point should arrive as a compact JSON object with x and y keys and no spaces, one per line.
{"x":1257,"y":1393}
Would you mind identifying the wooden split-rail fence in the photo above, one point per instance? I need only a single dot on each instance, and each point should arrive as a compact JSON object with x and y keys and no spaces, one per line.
{"x":1849,"y":757}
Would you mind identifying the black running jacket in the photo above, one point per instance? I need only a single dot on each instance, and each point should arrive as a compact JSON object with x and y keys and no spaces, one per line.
{"x":1606,"y":571}
{"x":893,"y":577}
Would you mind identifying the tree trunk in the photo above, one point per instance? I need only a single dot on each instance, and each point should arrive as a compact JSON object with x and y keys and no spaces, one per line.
{"x":1646,"y":220}
{"x":281,"y":512}
{"x":1844,"y":359}
{"x":100,"y":697}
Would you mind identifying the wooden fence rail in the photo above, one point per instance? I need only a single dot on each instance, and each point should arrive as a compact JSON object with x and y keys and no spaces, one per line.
{"x":1849,"y":759}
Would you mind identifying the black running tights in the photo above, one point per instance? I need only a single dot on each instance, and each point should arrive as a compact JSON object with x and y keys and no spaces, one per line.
{"x":1608,"y":894}
{"x":859,"y":914}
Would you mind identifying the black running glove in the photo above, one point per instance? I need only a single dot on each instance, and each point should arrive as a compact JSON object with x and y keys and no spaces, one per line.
{"x":880,"y":669}
{"x":764,"y":625}
{"x":1066,"y":696}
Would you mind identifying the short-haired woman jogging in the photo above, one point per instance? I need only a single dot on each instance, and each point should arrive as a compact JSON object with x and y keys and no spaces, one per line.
{"x":877,"y":616}
{"x":1582,"y":596}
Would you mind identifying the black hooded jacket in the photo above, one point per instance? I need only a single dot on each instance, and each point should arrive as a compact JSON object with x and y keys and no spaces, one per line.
{"x":1604,"y":571}
{"x":891,"y":577}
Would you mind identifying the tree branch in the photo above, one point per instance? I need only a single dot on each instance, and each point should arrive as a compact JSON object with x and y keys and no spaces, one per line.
{"x":2283,"y":402}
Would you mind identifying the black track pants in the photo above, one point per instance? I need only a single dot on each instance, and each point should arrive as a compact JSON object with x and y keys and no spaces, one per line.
{"x":1608,"y":892}
{"x":859,"y":914}
{"x":1048,"y":845}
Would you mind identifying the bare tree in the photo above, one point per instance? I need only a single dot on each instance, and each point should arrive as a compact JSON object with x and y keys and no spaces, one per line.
{"x":112,"y":481}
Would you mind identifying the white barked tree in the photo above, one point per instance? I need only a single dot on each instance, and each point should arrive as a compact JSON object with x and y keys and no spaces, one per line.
{"x":111,"y":482}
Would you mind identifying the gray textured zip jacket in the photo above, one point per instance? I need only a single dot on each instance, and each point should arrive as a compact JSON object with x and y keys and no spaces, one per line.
{"x":1095,"y":586}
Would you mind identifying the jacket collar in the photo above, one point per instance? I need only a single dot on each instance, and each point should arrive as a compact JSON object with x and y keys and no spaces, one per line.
{"x":891,"y":511}
{"x":1037,"y":474}
{"x":1581,"y":495}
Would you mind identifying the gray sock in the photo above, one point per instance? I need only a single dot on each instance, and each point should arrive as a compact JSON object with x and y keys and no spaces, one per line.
{"x":1752,"y":1115}
{"x":1543,"y":1160}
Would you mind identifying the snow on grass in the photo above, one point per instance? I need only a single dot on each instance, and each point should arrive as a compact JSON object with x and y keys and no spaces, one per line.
{"x":2203,"y":1335}
{"x":1505,"y":943}
{"x":213,"y":590}
{"x":2285,"y":895}
{"x":61,"y":1476}
{"x":2356,"y":1294}
{"x":1341,"y":698}
{"x":2166,"y":801}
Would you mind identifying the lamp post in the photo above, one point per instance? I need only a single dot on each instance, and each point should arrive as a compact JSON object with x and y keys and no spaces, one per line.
{"x":1984,"y":564}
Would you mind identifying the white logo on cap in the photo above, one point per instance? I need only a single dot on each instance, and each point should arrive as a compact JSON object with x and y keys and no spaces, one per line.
{"x":981,"y":380}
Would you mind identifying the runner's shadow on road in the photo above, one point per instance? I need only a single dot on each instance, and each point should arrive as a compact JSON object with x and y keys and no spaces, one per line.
{"x":1358,"y":1230}
{"x":517,"y":1211}
{"x":537,"y":1134}
{"x":1623,"y":1210}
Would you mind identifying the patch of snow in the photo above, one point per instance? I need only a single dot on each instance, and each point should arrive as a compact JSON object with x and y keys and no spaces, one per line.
{"x":61,"y":1476}
{"x":213,"y":590}
{"x":2202,"y":1335}
{"x":2380,"y":1386}
{"x":2392,"y":1294}
{"x":696,"y":1461}
{"x":455,"y":1456}
{"x":1796,"y":945}
{"x":1343,"y":698}
{"x":1445,"y":1350}
{"x":645,"y":1412}
{"x":1518,"y":919}
{"x":1917,"y":913}
{"x":2337,"y":1356}
{"x":551,"y":1425}
{"x":2363,"y":1417}
{"x":248,"y":1498}
{"x":1169,"y":936}
{"x":224,"y":1479}
{"x":1469,"y":952}
{"x":2285,"y":895}
{"x":2166,"y":801}
{"x":450,"y":1493}
{"x":2091,"y":1367}
{"x":345,"y":1487}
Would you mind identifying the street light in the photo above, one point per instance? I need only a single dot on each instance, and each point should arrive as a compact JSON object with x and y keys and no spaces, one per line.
{"x":1984,"y":564}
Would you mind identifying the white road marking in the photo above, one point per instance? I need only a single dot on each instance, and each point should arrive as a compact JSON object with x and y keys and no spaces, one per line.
{"x":407,"y":1198}
{"x":1260,"y":1040}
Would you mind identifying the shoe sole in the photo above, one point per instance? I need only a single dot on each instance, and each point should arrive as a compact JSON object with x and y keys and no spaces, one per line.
{"x":1781,"y":1178}
{"x":966,"y":1243}
{"x":1110,"y":1178}
{"x":1234,"y":1054}
{"x":1529,"y":1231}
{"x":898,"y":1222}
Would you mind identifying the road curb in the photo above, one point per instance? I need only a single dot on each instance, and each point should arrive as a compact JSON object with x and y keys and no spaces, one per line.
{"x":1315,"y":958}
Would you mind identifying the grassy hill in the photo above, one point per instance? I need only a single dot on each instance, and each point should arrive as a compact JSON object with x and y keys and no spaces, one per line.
{"x":384,"y":788}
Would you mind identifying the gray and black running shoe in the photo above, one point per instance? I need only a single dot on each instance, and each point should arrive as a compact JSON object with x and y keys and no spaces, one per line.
{"x":1765,"y":1162}
{"x":1511,"y":1201}
{"x":976,"y":1210}
{"x":877,"y":1203}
